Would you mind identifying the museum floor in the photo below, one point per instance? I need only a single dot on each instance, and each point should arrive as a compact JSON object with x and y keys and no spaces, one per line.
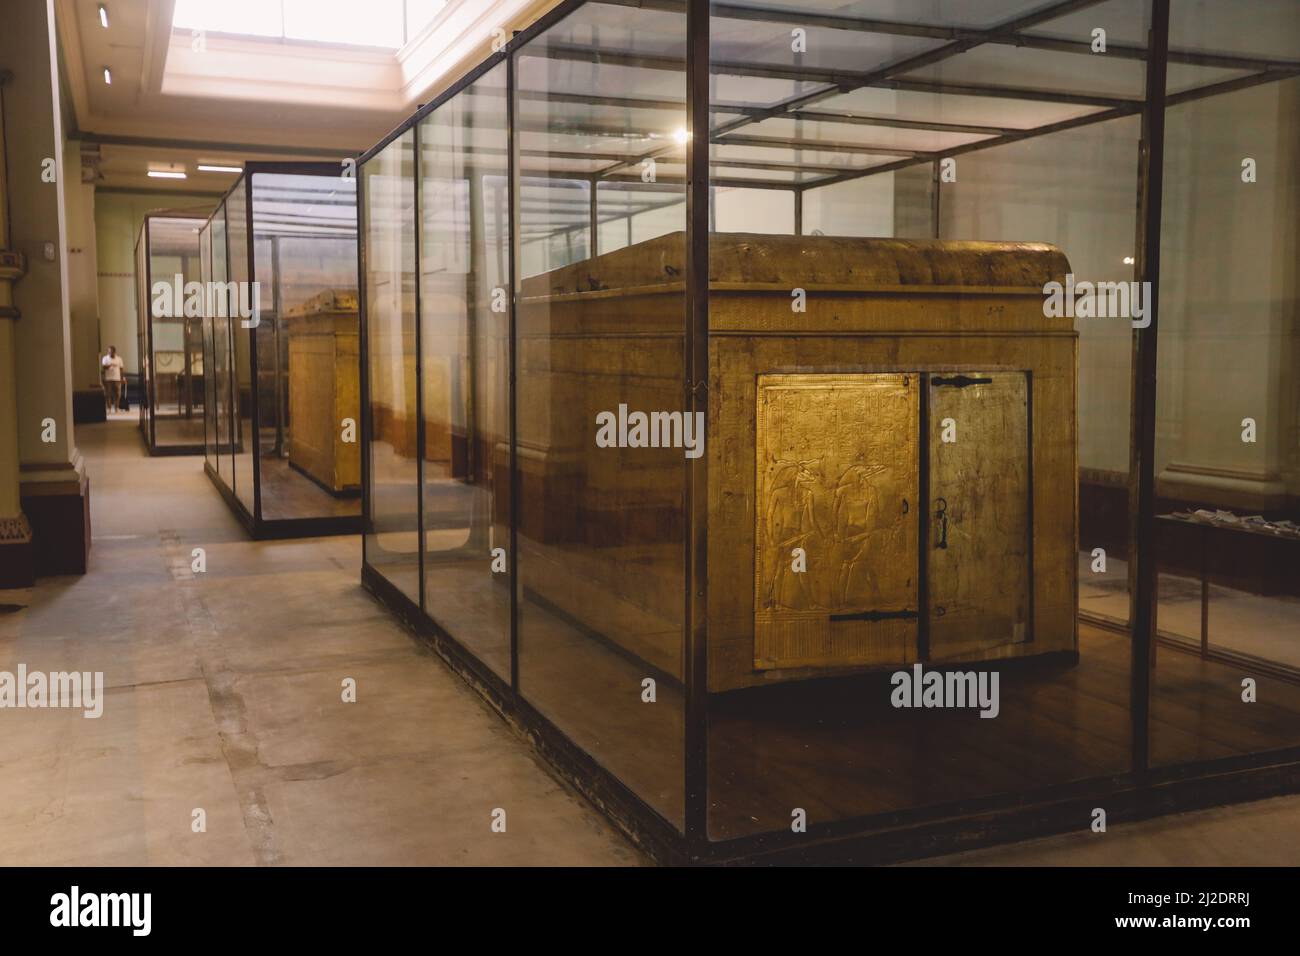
{"x":224,"y":694}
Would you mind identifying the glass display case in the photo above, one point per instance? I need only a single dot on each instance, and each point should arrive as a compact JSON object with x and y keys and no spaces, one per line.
{"x":760,"y":410}
{"x":169,"y":336}
{"x":281,"y":334}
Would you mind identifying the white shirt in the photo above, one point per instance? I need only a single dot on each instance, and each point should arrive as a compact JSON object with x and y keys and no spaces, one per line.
{"x":112,"y":368}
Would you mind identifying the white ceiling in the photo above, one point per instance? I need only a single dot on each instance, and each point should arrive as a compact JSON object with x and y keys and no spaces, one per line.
{"x":242,"y":100}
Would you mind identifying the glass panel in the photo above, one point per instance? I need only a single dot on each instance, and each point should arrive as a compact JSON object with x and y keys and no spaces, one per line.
{"x":221,"y":352}
{"x":1125,"y":22}
{"x":209,"y":363}
{"x":1256,"y":29}
{"x":771,"y":42}
{"x":392,"y":536}
{"x":753,"y":210}
{"x":308,"y":367}
{"x":142,"y":311}
{"x":241,"y":349}
{"x":951,"y":109}
{"x":1035,"y":191}
{"x":894,"y":473}
{"x":464,"y":342}
{"x":1227,"y":670}
{"x":601,"y":528}
{"x":965,"y":13}
{"x":635,"y":212}
{"x":176,"y":362}
{"x":555,"y":219}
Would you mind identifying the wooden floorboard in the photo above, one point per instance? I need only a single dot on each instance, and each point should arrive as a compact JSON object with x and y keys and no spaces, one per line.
{"x":838,"y":749}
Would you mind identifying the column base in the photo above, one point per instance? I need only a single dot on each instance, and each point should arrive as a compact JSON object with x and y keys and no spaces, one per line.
{"x":88,"y":406}
{"x":17,"y":554}
{"x":59,"y":512}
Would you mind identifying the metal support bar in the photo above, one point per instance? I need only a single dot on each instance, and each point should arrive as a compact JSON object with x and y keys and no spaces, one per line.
{"x":696,"y":355}
{"x":934,"y":200}
{"x":593,"y":216}
{"x":1030,"y":41}
{"x":1142,"y":443}
{"x":514,"y":217}
{"x":874,"y":77}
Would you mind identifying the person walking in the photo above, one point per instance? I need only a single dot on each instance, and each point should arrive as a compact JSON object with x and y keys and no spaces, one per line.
{"x":112,"y":365}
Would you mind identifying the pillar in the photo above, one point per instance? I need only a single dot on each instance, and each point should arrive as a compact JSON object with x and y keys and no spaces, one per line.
{"x":36,"y":344}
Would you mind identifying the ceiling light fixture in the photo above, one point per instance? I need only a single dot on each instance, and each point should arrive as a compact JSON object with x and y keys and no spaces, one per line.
{"x":103,"y":16}
{"x":204,"y":168}
{"x":108,"y":77}
{"x":1128,"y":260}
{"x":681,"y":136}
{"x":165,"y":174}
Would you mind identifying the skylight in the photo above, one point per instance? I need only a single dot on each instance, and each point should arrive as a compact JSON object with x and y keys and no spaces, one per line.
{"x":387,"y":24}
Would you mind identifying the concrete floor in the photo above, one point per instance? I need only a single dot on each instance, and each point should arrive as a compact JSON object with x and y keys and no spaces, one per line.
{"x":224,"y":694}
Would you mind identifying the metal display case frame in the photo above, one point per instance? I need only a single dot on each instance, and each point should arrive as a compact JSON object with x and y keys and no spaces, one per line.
{"x":1142,"y":788}
{"x":146,"y":320}
{"x":256,"y":520}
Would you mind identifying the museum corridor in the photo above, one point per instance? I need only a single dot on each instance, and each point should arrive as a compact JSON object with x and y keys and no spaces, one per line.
{"x":223,"y":694}
{"x":648,"y":433}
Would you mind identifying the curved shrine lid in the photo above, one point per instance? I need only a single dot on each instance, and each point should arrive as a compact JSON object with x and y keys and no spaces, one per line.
{"x":753,"y":261}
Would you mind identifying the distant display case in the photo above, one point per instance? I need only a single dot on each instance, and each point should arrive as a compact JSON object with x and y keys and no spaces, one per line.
{"x":759,"y":410}
{"x":169,"y":336}
{"x":280,"y":332}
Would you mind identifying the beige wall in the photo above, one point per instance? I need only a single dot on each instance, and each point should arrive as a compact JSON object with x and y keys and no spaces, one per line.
{"x":1077,"y":190}
{"x":1228,"y":311}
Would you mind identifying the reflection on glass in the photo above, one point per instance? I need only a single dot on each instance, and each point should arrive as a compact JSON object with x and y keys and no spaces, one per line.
{"x":245,"y":479}
{"x":220,"y":321}
{"x":392,"y":543}
{"x":883,"y":233}
{"x":801,"y":665}
{"x":307,"y":337}
{"x":142,"y":311}
{"x":465,"y":338}
{"x":283,"y":332}
{"x":1228,"y":596}
{"x":209,"y":362}
{"x":169,"y":341}
{"x":601,"y":530}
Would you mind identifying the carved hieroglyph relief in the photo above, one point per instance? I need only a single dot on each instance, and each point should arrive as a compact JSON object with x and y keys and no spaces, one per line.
{"x":837,"y":477}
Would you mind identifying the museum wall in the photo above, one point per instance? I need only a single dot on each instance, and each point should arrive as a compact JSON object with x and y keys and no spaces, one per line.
{"x":859,"y":207}
{"x":118,"y":216}
{"x":769,"y":211}
{"x":1019,"y":192}
{"x":1228,"y":311}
